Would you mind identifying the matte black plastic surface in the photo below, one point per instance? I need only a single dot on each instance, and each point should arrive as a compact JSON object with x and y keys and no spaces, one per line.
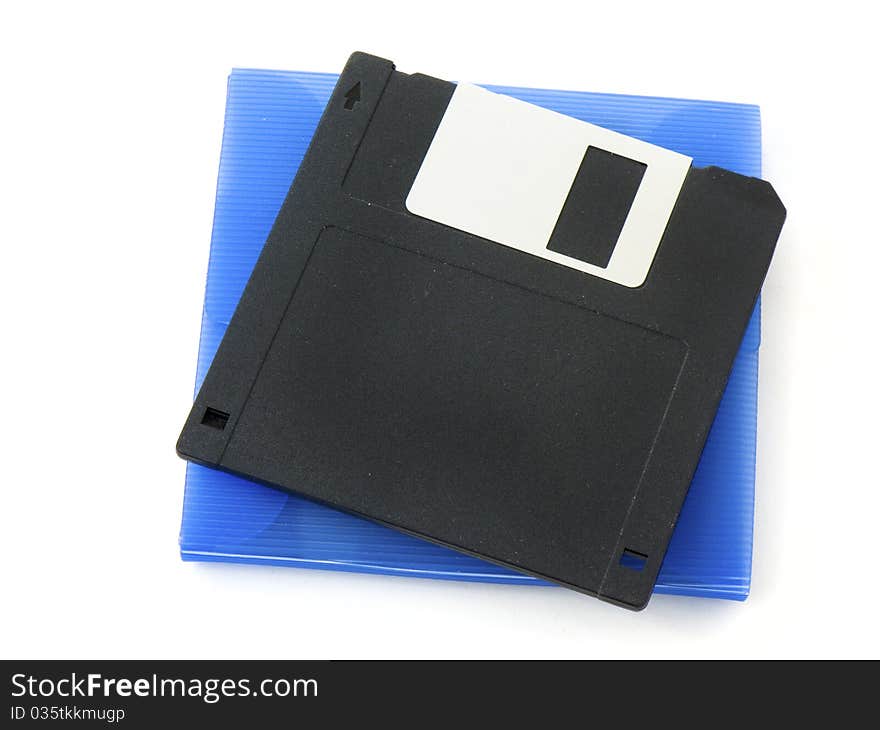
{"x":464,"y":391}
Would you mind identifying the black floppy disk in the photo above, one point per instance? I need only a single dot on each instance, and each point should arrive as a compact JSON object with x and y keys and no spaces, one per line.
{"x":491,"y":326}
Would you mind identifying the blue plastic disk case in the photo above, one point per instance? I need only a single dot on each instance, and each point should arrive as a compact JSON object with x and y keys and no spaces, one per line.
{"x":270,"y":119}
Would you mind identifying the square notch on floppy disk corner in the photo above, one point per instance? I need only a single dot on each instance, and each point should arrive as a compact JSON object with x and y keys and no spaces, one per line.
{"x":214,"y":418}
{"x":549,"y":185}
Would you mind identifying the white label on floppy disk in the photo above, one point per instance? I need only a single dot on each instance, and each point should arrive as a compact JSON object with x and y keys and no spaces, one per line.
{"x":501,"y":168}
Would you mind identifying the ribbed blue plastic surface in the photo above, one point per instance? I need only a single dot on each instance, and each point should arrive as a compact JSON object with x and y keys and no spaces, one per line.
{"x":270,"y":119}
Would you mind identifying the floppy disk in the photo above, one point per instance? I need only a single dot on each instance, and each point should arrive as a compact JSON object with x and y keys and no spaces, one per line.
{"x":491,"y":326}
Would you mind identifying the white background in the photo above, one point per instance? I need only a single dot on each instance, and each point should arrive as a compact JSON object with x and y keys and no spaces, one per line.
{"x":110,"y":127}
